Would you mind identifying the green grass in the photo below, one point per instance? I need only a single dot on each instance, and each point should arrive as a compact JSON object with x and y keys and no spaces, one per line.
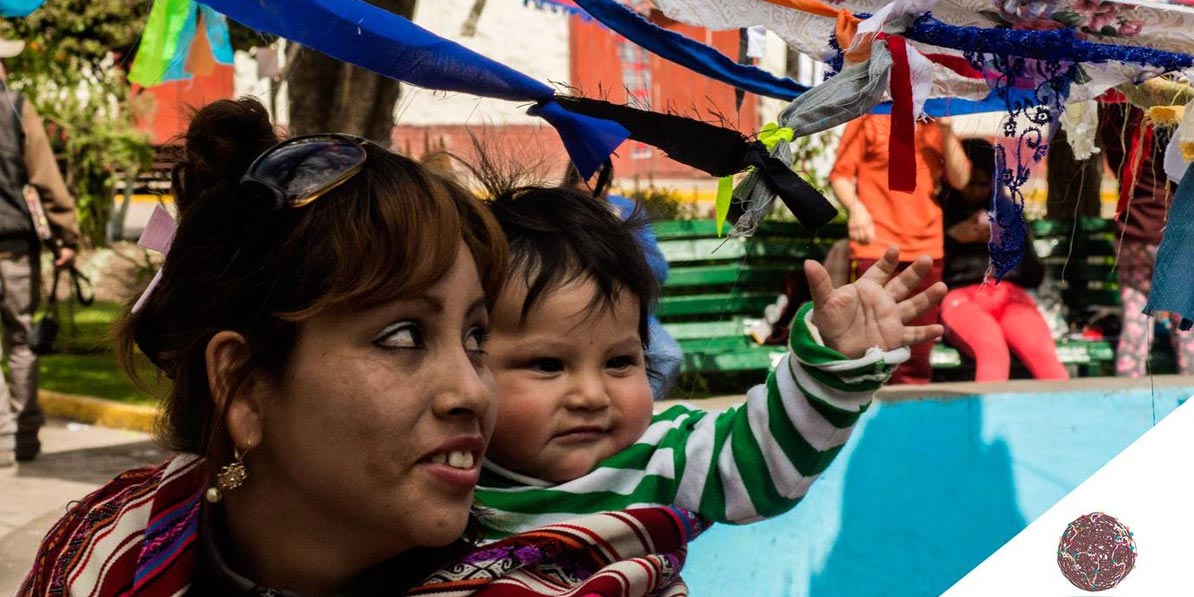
{"x":85,"y":363}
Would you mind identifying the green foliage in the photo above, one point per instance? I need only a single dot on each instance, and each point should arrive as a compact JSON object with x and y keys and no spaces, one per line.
{"x":84,"y":363}
{"x":72,"y":72}
{"x":64,"y":34}
{"x":807,"y":153}
{"x":664,"y":204}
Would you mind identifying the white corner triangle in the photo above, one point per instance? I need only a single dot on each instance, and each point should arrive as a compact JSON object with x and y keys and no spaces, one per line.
{"x":1149,"y":487}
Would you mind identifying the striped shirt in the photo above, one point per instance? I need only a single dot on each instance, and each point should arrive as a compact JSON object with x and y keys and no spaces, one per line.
{"x":751,"y":462}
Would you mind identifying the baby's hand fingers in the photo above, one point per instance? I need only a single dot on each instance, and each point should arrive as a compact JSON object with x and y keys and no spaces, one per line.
{"x":902,"y":285}
{"x":884,"y":268}
{"x":819,"y":283}
{"x":922,"y":333}
{"x":912,"y":308}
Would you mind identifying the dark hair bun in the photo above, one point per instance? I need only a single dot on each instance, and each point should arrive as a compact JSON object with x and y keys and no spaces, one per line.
{"x":222,"y":141}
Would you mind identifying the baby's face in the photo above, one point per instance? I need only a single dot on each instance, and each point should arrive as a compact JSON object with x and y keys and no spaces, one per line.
{"x":572,"y":384}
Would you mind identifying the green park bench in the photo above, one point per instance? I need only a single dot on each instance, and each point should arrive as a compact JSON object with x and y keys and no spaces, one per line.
{"x":718,"y":288}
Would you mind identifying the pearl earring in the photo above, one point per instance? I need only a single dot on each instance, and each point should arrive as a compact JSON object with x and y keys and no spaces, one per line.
{"x":231,"y":476}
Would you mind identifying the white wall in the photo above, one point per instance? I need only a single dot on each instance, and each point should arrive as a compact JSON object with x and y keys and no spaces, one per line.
{"x":245,"y":82}
{"x":531,"y":41}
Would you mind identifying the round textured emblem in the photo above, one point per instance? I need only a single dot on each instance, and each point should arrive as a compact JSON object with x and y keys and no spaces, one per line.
{"x":1096,"y":552}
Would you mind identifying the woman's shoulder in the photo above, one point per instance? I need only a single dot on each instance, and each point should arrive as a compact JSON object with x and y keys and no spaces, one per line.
{"x":96,"y":529}
{"x":134,"y":487}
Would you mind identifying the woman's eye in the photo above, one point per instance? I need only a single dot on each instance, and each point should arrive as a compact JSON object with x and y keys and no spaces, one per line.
{"x":547,"y":365}
{"x":475,"y":340}
{"x":405,"y":334}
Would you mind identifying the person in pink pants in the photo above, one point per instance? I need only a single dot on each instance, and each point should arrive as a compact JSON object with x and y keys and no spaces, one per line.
{"x":986,"y":320}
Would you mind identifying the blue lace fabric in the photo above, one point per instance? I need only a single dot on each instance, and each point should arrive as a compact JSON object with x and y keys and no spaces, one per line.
{"x":1029,"y":126}
{"x":1058,"y":45}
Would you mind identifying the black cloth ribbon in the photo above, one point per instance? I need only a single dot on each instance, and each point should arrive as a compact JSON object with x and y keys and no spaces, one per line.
{"x":805,"y":202}
{"x":716,"y":150}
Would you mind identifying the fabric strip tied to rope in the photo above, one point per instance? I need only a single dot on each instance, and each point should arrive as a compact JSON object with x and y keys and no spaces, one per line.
{"x":716,"y":150}
{"x":688,"y":53}
{"x":387,"y":44}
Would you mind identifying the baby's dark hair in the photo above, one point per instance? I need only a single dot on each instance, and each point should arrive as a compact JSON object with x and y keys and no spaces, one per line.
{"x":561,"y":235}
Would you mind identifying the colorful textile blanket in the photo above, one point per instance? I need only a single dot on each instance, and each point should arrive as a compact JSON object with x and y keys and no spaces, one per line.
{"x":635,"y":553}
{"x":135,"y":535}
{"x":138,"y":534}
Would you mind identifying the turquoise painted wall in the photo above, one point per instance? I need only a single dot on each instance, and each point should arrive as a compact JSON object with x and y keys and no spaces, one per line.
{"x":924,"y":492}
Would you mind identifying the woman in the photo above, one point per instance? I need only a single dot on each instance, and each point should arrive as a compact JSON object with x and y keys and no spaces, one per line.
{"x":986,"y":319}
{"x":321,"y":318}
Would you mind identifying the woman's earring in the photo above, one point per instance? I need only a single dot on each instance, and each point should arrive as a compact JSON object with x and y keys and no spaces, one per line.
{"x":231,"y":476}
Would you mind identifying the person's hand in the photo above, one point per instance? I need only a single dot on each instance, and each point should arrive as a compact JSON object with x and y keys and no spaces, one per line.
{"x":874,"y":310}
{"x":860,"y":225}
{"x":66,"y":256}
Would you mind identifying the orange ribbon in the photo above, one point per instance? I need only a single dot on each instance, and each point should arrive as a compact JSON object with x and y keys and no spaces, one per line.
{"x":844,"y":30}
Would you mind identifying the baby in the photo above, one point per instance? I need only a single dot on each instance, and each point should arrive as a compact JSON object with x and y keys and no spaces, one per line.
{"x":575,"y":432}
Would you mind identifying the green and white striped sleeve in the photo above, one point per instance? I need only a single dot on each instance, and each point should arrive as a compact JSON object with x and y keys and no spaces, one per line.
{"x":757,"y":460}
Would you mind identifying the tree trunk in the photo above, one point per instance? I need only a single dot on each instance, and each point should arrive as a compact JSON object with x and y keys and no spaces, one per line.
{"x":792,"y":64}
{"x":327,"y":95}
{"x":469,"y":28}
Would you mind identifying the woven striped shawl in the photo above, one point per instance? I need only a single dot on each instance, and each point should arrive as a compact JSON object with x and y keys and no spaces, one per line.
{"x":138,"y":534}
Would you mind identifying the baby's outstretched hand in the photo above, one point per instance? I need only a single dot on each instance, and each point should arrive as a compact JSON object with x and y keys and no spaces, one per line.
{"x":874,"y":310}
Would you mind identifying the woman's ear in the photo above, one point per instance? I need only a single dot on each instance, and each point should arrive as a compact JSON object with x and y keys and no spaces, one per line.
{"x":226,"y":355}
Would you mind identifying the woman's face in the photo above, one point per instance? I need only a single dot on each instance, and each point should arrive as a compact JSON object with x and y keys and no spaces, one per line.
{"x":380,"y":422}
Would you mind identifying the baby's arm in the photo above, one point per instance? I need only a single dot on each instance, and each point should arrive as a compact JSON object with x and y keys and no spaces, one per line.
{"x":757,"y":460}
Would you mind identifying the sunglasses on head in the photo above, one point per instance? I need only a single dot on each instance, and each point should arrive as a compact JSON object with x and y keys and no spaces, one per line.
{"x":298,"y":171}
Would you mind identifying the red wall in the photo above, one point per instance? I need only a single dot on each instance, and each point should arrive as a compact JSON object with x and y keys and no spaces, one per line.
{"x":518,"y":147}
{"x":170,"y":105}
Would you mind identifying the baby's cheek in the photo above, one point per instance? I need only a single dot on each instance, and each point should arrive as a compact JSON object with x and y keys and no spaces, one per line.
{"x":520,"y":409}
{"x":637,"y":413}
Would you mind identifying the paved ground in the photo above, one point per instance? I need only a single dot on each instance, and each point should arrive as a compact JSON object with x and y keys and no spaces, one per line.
{"x":77,"y":459}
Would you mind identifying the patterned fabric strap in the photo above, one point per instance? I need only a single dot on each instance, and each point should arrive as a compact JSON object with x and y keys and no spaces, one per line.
{"x":634,"y":553}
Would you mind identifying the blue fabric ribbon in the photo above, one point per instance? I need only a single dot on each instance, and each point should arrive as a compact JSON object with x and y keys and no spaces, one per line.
{"x":1058,"y":45}
{"x":218,"y":37}
{"x":387,"y":44}
{"x":688,"y":53}
{"x":952,"y":106}
{"x":1173,"y":274}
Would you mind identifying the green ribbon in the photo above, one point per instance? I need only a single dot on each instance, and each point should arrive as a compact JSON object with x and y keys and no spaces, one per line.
{"x":725,"y":190}
{"x":162,"y":42}
{"x":770,"y":135}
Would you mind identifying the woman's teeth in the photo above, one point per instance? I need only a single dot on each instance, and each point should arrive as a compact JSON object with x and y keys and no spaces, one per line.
{"x":456,"y":459}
